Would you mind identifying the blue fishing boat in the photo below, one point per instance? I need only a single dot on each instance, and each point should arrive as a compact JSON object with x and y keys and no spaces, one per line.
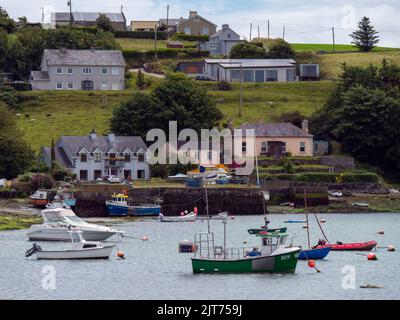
{"x":118,"y":206}
{"x":295,"y":221}
{"x":145,"y":210}
{"x":314,"y":254}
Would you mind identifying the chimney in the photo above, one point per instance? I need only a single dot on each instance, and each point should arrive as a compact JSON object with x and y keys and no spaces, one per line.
{"x":304,"y":125}
{"x":93,"y":135}
{"x":111,"y":137}
{"x":225,"y":26}
{"x":192,"y":14}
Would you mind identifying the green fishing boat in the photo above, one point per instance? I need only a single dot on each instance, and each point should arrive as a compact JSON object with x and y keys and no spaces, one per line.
{"x":273,"y":256}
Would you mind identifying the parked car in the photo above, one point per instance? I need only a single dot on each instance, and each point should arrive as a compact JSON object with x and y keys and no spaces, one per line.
{"x":113,"y":179}
{"x":3,"y":183}
{"x":203,"y":78}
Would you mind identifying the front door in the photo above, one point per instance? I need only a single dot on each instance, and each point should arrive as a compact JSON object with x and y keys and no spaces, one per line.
{"x":259,"y":75}
{"x":87,"y":85}
{"x":275,"y":149}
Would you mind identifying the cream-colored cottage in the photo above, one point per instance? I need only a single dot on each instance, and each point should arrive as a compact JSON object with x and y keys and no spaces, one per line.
{"x":278,"y":139}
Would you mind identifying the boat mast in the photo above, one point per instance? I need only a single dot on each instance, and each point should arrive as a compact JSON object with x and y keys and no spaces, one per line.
{"x":308,"y":229}
{"x":208,"y":215}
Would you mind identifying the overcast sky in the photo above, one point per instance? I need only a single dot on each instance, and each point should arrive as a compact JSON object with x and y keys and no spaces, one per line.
{"x":306,"y":21}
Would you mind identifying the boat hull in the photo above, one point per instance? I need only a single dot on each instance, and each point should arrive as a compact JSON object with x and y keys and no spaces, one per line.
{"x":257,"y":231}
{"x":190,"y":218}
{"x":117,"y":210}
{"x":61,"y":234}
{"x":70,"y":202}
{"x":39,"y":203}
{"x":94,"y":253}
{"x":314,"y":254}
{"x":146,"y":211}
{"x":279,"y":263}
{"x":361,"y":246}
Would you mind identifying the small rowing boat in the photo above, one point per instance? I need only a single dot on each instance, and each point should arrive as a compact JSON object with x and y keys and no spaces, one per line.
{"x":356,"y":246}
{"x":295,"y":221}
{"x":314,"y":254}
{"x":190,"y":217}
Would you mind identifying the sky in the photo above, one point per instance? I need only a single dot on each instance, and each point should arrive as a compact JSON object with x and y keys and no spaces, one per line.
{"x":305,"y":21}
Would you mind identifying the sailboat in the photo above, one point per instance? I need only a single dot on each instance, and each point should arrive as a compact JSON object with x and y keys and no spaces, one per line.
{"x":317,"y":253}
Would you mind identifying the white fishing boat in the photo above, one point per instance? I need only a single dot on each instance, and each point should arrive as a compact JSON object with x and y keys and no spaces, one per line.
{"x":219,"y":216}
{"x":80,"y":249}
{"x":58,"y":221}
{"x":188,"y":217}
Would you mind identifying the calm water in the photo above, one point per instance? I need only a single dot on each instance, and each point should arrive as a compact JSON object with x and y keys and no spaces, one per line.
{"x":155,"y":270}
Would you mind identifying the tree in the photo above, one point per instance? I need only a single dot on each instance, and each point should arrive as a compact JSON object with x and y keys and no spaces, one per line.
{"x":15,"y":154}
{"x":177,"y":98}
{"x":6,"y":23}
{"x":363,"y":114}
{"x":140,"y":82}
{"x":295,"y":118}
{"x":246,"y":50}
{"x":365,"y":38}
{"x":104,"y":23}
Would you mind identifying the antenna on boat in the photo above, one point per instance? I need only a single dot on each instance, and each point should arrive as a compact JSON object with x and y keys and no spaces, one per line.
{"x":308,"y":229}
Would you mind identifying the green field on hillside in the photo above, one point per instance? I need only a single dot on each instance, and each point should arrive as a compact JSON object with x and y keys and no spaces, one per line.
{"x":338,"y":47}
{"x":146,"y":44}
{"x":331,"y":63}
{"x":54,"y":113}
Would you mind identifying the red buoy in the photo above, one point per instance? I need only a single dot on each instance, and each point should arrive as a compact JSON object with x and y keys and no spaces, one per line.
{"x":372,"y":256}
{"x":311,"y":263}
{"x":195,"y":209}
{"x":121,"y":254}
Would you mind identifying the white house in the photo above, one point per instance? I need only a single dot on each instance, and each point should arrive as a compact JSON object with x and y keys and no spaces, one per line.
{"x":222,"y":41}
{"x":251,"y":70}
{"x":91,"y":157}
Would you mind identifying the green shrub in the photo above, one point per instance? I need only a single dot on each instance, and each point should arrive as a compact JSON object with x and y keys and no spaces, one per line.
{"x":314,"y":177}
{"x":161,"y":35}
{"x":224,"y":86}
{"x":332,"y":178}
{"x":364,"y":177}
{"x":189,"y":37}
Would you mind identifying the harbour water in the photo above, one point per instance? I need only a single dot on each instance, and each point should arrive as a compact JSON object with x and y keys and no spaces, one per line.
{"x":155,"y":270}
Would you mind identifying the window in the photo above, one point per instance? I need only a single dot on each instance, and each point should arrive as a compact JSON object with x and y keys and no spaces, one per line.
{"x":83,"y":175}
{"x":97,"y":157}
{"x":248,"y":75}
{"x":87,"y":70}
{"x":204,"y":31}
{"x":141,"y":157}
{"x":115,"y":86}
{"x":235,"y":75}
{"x":271,"y":75}
{"x":290,"y":75}
{"x":70,"y":70}
{"x":141,"y":174}
{"x":244,"y":147}
{"x":104,"y":86}
{"x":260,"y":76}
{"x":59,"y":85}
{"x":264,"y":146}
{"x":128,"y":174}
{"x":87,"y":85}
{"x":59,"y":70}
{"x":70,"y":85}
{"x":83,"y":157}
{"x":104,"y":71}
{"x":115,"y":71}
{"x":302,"y":147}
{"x":187,"y":30}
{"x":127,"y":158}
{"x":283,"y":147}
{"x":96,"y":174}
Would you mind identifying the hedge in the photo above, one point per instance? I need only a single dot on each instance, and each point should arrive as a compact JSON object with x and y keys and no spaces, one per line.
{"x":361,"y":177}
{"x":161,"y":35}
{"x":189,"y":37}
{"x":324,"y":177}
{"x":145,"y":56}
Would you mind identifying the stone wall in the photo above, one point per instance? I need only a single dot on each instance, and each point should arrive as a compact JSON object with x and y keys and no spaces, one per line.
{"x":237,"y":201}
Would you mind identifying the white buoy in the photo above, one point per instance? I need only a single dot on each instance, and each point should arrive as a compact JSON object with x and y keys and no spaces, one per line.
{"x":391,"y":248}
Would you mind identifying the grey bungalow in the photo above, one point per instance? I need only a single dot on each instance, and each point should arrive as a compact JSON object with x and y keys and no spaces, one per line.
{"x":66,"y":69}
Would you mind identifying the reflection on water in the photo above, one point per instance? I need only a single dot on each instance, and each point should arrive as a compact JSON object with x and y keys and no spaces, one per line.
{"x":155,"y":270}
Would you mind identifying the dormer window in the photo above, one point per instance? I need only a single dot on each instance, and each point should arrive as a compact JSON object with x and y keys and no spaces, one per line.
{"x":127,"y":158}
{"x":83,"y":157}
{"x":141,"y":157}
{"x":97,"y":157}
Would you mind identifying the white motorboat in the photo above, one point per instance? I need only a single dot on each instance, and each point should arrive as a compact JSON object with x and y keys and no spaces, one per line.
{"x":189,"y":217}
{"x":58,"y":221}
{"x":81,"y":249}
{"x":219,"y":216}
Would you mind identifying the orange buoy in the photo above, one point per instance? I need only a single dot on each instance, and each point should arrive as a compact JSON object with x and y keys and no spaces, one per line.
{"x":372,"y":257}
{"x":381,"y":231}
{"x":311,"y":263}
{"x":121,"y":254}
{"x":391,"y":248}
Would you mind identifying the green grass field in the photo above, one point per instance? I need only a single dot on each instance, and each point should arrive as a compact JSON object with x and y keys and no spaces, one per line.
{"x":55,"y":113}
{"x":338,"y":47}
{"x":146,"y":44}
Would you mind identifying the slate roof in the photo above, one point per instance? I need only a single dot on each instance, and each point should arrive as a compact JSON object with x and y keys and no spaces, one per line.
{"x":283,"y":129}
{"x":252,"y":63}
{"x":61,"y":156}
{"x":92,"y":16}
{"x":171,"y":22}
{"x":120,"y":143}
{"x":198,"y":17}
{"x":60,"y":16}
{"x":225,"y":30}
{"x":56,"y":57}
{"x":40,"y":75}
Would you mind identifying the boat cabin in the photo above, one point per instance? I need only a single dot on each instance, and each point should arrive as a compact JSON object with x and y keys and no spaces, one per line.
{"x":120,"y":198}
{"x":270,"y":241}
